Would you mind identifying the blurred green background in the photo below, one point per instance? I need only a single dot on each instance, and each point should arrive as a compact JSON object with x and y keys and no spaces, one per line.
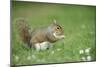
{"x":79,"y":23}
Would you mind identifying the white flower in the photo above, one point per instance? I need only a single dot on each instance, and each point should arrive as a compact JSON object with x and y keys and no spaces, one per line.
{"x":81,"y":51}
{"x":58,"y":49}
{"x":87,"y":50}
{"x":38,"y":60}
{"x":89,"y":58}
{"x":91,"y":32}
{"x":83,"y":26}
{"x":29,"y":57}
{"x":79,"y":34}
{"x":83,"y":58}
{"x":33,"y":56}
{"x":42,"y":60}
{"x":17,"y":58}
{"x":52,"y":52}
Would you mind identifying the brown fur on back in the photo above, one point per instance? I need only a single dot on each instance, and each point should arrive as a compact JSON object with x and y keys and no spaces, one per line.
{"x":41,"y":35}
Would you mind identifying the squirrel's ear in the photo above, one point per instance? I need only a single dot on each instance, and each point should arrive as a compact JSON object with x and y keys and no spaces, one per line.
{"x":54,"y":21}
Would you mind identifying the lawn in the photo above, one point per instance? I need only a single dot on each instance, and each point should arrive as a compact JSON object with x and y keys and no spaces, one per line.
{"x":78,"y":22}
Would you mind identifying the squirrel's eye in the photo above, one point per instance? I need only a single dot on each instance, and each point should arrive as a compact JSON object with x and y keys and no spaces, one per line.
{"x":57,"y":27}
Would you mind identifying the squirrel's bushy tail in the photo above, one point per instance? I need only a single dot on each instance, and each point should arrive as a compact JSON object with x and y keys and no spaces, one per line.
{"x":23,"y":30}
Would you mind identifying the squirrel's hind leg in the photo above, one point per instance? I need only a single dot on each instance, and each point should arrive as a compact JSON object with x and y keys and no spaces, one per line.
{"x":43,"y":46}
{"x":37,"y":47}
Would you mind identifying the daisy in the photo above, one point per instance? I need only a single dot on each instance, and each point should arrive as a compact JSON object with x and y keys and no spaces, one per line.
{"x":29,"y":57}
{"x":33,"y":56}
{"x":81,"y":51}
{"x":87,"y":50}
{"x":58,"y":49}
{"x":83,"y":58}
{"x":52,"y":52}
{"x":89,"y":58}
{"x":17,"y":58}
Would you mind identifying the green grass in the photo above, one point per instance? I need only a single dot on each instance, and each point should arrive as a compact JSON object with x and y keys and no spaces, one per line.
{"x":79,"y":28}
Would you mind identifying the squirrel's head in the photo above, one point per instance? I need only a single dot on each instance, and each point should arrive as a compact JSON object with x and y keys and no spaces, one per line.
{"x":57,"y":30}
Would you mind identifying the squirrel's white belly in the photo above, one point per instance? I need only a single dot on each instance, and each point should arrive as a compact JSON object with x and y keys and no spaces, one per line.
{"x":42,"y":46}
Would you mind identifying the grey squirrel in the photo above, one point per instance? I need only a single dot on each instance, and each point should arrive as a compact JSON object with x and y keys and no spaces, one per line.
{"x":40,"y":38}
